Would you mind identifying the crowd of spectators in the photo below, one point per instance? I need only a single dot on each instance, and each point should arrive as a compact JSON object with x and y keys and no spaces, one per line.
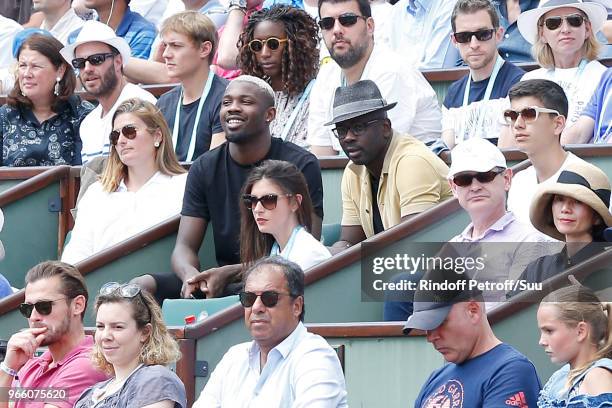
{"x":258,"y":93}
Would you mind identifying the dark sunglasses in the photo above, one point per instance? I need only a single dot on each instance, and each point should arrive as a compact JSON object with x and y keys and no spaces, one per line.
{"x":128,"y":290}
{"x":273,"y":43}
{"x":43,"y":307}
{"x":268,"y":297}
{"x":345,"y":20}
{"x":268,"y":201}
{"x":574,"y":20}
{"x":481,"y":35}
{"x":529,"y":114}
{"x":357,"y":128}
{"x":93,"y":59}
{"x":129,"y":131}
{"x":464,"y":180}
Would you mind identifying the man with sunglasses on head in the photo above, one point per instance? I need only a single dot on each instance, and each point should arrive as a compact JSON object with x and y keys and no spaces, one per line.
{"x":390,"y":177}
{"x":537,"y":119}
{"x":284,"y":365}
{"x":348,"y":31}
{"x":213,"y":191}
{"x":99,"y":56}
{"x":55,"y":302}
{"x":473,"y":104}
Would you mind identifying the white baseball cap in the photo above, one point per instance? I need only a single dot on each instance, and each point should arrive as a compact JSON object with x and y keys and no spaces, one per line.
{"x":95,"y":31}
{"x":475,"y":154}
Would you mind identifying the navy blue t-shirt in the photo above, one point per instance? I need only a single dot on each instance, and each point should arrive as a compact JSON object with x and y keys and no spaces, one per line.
{"x":210,"y":122}
{"x":508,"y":75}
{"x":501,"y":377}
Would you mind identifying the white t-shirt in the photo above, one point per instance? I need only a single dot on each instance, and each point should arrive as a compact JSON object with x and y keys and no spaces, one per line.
{"x":105,"y":219}
{"x":306,"y":251}
{"x":95,"y":128}
{"x":578,"y":88}
{"x":8,"y":29}
{"x":524,"y":185}
{"x":64,"y":26}
{"x":483,"y":119}
{"x":417,"y":111}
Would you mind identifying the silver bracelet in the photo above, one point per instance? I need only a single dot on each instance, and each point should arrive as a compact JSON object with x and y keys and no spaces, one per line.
{"x":7,"y":369}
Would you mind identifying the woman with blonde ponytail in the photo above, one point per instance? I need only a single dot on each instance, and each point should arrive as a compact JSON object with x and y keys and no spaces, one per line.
{"x":576,"y":329}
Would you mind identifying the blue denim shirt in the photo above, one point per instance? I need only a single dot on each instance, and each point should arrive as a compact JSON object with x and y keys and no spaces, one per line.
{"x":514,"y":47}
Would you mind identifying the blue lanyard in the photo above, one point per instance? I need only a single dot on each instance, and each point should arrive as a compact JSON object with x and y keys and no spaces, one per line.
{"x":296,"y":110}
{"x":606,"y":134}
{"x":289,"y":247}
{"x":466,"y":93}
{"x":194,"y":130}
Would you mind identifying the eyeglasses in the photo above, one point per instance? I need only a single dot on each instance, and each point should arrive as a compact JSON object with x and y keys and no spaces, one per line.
{"x":128,"y":290}
{"x":129,"y":131}
{"x":481,"y":35}
{"x":357,"y":129}
{"x":93,"y":59}
{"x":43,"y":307}
{"x":268,"y":297}
{"x":574,"y":20}
{"x":465,"y":180}
{"x":529,"y":114}
{"x":273,"y":43}
{"x":268,"y":201}
{"x":345,"y":20}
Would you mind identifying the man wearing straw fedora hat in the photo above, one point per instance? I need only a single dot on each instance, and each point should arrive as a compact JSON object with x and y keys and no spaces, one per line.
{"x":99,"y":56}
{"x":390,"y":177}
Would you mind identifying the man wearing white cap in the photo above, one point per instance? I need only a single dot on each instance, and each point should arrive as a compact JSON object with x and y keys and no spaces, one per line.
{"x":99,"y":56}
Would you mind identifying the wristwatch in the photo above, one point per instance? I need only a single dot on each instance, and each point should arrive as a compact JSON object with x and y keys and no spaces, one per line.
{"x":237,"y":4}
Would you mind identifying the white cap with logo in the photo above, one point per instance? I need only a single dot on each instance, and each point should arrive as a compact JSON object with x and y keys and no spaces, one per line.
{"x":475,"y":154}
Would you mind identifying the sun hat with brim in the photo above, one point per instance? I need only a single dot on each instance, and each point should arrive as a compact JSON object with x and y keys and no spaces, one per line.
{"x":95,"y":31}
{"x":431,"y":305}
{"x":580,"y":181}
{"x":356,"y":100}
{"x":528,"y":20}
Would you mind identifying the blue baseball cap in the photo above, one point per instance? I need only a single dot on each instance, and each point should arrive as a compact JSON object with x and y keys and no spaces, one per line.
{"x":23,"y":35}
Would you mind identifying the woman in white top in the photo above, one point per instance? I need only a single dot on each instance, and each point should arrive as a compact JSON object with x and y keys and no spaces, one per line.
{"x":141,"y":185}
{"x":563,"y":36}
{"x":133,"y":345}
{"x":276,"y":216}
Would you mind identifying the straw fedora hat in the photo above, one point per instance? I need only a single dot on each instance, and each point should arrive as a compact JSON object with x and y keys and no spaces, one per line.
{"x":528,"y":20}
{"x":581,"y":181}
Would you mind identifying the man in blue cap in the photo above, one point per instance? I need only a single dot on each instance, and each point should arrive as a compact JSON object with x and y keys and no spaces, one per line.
{"x":482,"y":371}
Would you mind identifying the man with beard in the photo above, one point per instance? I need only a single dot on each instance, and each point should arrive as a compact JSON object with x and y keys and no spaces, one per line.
{"x":212,"y":193}
{"x":99,"y":56}
{"x":348,"y":32}
{"x":55,"y":302}
{"x":391,"y":177}
{"x":474,"y":104}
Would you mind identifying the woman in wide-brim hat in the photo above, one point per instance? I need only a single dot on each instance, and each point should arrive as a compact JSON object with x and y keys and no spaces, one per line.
{"x":573,"y":209}
{"x":563,"y":36}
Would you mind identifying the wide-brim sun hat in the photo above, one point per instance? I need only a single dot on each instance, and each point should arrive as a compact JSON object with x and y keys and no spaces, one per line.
{"x":581,"y":181}
{"x":95,"y":31}
{"x":356,"y":100}
{"x":528,"y":20}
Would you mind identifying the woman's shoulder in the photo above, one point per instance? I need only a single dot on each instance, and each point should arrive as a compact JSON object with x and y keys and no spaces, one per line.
{"x":156,"y":371}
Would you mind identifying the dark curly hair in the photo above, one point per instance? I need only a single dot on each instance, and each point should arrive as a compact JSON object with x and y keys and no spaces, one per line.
{"x":300,"y":61}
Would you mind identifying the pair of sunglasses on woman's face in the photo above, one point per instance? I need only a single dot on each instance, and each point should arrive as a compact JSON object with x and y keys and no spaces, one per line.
{"x":268,"y":201}
{"x":574,"y":20}
{"x":272,"y":43}
{"x":128,"y":131}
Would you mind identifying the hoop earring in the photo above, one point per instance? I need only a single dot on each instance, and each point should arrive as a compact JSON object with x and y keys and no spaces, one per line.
{"x":56,"y":89}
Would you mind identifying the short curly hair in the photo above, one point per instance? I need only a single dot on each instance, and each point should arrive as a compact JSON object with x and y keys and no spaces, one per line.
{"x":300,"y":61}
